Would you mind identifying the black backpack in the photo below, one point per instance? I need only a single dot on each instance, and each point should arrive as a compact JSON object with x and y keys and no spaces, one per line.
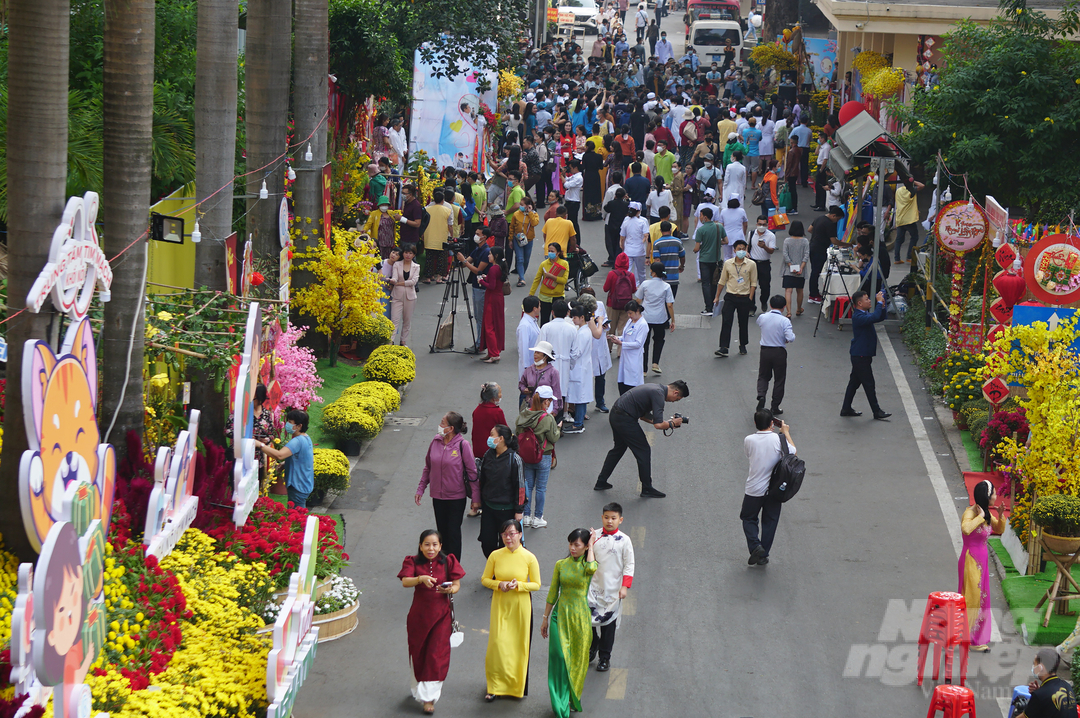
{"x":787,"y":475}
{"x":425,"y":220}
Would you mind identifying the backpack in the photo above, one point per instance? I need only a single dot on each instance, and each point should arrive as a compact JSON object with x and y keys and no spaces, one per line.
{"x":621,"y":293}
{"x":787,"y":475}
{"x":425,"y":220}
{"x":529,"y":448}
{"x":689,"y":130}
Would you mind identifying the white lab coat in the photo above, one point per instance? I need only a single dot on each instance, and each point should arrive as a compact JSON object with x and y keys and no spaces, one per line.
{"x":528,"y":333}
{"x":631,"y":369}
{"x":734,"y":183}
{"x":580,"y":389}
{"x":601,"y":350}
{"x":560,"y":333}
{"x":615,"y":555}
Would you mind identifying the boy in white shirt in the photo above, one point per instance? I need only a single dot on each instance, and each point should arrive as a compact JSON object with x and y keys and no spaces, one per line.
{"x":614,"y":552}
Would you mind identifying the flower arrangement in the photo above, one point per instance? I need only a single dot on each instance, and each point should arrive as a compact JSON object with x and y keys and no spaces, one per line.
{"x":1005,"y":422}
{"x":869,"y":61}
{"x":387,"y":394}
{"x":349,"y":180}
{"x":341,"y":594}
{"x":963,"y":387}
{"x":295,"y":370}
{"x":773,"y":55}
{"x":374,"y":330}
{"x":1058,"y":514}
{"x":331,"y":470}
{"x":346,"y":419}
{"x":274,"y":535}
{"x":394,"y":365}
{"x":884,"y":82}
{"x":509,"y":86}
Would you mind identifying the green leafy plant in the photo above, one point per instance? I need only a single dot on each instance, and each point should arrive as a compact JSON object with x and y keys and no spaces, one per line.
{"x":1058,"y":514}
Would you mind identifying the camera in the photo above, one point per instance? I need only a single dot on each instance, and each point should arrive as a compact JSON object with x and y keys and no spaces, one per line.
{"x":685,"y":419}
{"x":458,"y":245}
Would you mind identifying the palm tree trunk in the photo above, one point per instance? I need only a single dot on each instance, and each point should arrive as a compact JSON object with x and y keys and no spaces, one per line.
{"x":309,"y":113}
{"x":128,"y":117}
{"x":266,"y":85}
{"x":778,"y":15}
{"x":215,"y":150}
{"x":38,"y":54}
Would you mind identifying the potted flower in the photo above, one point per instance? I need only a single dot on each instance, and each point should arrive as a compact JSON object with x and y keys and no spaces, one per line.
{"x":395,"y":365}
{"x":331,"y":475}
{"x":1059,"y":517}
{"x":351,"y":420}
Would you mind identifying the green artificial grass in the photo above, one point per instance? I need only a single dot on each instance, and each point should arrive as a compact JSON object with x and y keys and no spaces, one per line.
{"x":335,"y":380}
{"x":974,"y":452}
{"x":1023,"y":592}
{"x":1003,"y":556}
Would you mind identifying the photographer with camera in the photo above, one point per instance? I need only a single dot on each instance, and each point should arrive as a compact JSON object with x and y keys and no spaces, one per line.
{"x":764,"y":453}
{"x":477,"y":264}
{"x":644,"y":402}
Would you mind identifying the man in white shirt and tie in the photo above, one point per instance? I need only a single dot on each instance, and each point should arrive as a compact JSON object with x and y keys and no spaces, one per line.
{"x":776,"y":334}
{"x":762,"y":246}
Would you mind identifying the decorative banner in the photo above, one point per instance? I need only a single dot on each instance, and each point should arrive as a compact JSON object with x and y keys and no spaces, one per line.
{"x":230,"y":264}
{"x":960,"y":226}
{"x":1001,"y":311}
{"x":1052,"y":269}
{"x":283,"y":222}
{"x":998,"y":217}
{"x":446,"y":116}
{"x":247,"y":269}
{"x":76,"y":262}
{"x":246,"y":469}
{"x":553,"y":14}
{"x":22,"y":628}
{"x":328,"y":205}
{"x":172,"y":507}
{"x":995,"y":390}
{"x":59,"y":411}
{"x":1005,"y":256}
{"x":295,"y":638}
{"x":284,"y":274}
{"x":822,"y":65}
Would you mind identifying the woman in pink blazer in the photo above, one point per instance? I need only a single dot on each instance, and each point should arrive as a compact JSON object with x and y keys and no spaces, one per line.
{"x":403,"y":294}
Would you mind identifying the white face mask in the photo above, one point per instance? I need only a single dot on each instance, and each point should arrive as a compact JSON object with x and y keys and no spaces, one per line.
{"x":538,"y":363}
{"x":440,"y":432}
{"x":761,"y":230}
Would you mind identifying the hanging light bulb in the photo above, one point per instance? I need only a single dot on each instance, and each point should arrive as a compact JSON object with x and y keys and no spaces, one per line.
{"x":292,"y":174}
{"x":308,"y":156}
{"x":263,"y":194}
{"x":946,"y":196}
{"x":997,"y":240}
{"x":196,"y":235}
{"x":1018,"y":264}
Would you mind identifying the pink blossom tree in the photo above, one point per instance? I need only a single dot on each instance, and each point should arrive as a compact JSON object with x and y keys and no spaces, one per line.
{"x":294,"y":367}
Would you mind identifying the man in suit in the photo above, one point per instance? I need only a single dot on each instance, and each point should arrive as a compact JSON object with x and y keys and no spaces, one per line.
{"x":863,"y":349}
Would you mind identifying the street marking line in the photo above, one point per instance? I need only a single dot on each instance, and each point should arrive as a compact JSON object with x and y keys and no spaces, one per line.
{"x":637,"y":534}
{"x":650,"y":437}
{"x":933,"y":468}
{"x":629,"y":604}
{"x":616,"y":688}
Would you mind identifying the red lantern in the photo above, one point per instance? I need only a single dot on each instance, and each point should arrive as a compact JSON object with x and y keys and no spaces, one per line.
{"x":850,"y":109}
{"x":1011,"y":287}
{"x":257,"y":279}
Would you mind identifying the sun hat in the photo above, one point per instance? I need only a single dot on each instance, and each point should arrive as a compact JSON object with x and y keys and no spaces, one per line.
{"x":544,"y":348}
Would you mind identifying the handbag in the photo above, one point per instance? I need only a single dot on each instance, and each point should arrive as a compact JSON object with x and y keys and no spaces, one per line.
{"x":588,"y":267}
{"x":522,"y":239}
{"x":784,"y":198}
{"x":457,"y":632}
{"x":759,"y":196}
{"x":778,"y":221}
{"x":506,"y":287}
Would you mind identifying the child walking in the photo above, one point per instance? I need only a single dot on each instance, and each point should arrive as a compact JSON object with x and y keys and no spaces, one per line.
{"x":614,"y":555}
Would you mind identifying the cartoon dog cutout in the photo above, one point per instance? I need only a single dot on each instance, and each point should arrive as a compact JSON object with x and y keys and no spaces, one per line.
{"x":59,"y":405}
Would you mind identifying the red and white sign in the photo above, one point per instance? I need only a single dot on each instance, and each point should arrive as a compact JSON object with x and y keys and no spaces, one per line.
{"x":995,"y":390}
{"x":172,"y":508}
{"x":1052,"y":269}
{"x":960,"y":226}
{"x":76,"y":262}
{"x":998,"y":217}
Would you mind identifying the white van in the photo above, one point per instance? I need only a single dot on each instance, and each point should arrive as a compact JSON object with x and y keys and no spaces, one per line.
{"x":707,"y":37}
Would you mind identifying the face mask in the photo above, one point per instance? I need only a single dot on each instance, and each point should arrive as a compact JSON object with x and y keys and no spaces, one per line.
{"x":1034,"y":675}
{"x":760,"y":230}
{"x":384,"y":208}
{"x":708,"y":165}
{"x":441,"y":431}
{"x":479,"y":238}
{"x":740,"y":253}
{"x":551,"y":256}
{"x":289,"y":427}
{"x":491,"y":442}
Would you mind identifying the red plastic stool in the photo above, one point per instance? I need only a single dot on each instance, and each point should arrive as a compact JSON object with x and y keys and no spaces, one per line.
{"x":945,"y":625}
{"x":840,"y":309}
{"x":952,"y":701}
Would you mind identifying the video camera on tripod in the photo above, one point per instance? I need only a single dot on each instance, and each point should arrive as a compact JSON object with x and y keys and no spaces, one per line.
{"x":453,"y":246}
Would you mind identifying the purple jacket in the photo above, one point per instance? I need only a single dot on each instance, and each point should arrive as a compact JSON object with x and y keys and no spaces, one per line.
{"x":446,"y":468}
{"x":532,"y":378}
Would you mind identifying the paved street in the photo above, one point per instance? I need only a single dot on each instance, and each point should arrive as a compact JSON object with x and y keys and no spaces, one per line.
{"x":828,"y":625}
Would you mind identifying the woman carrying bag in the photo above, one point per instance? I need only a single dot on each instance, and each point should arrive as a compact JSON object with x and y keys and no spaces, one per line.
{"x":502,"y":487}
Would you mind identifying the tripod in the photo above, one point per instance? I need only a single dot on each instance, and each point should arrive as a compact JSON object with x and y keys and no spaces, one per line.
{"x":833,"y":262}
{"x":456,"y":284}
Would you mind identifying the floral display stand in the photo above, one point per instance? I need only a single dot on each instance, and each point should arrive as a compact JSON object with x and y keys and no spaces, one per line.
{"x":1064,"y":552}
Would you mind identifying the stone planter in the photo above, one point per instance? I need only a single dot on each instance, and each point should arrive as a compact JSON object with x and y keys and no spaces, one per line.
{"x":1067,"y":545}
{"x":320,"y":588}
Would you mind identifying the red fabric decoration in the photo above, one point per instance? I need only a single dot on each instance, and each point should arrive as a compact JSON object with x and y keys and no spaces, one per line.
{"x":850,"y":109}
{"x":1011,"y":287}
{"x":257,"y":279}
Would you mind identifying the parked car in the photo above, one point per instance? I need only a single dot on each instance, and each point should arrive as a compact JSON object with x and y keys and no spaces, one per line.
{"x":712,"y":10}
{"x":707,"y":37}
{"x":586,"y":14}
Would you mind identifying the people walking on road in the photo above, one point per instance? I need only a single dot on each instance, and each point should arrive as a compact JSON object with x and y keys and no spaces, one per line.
{"x":560,"y":333}
{"x":738,"y":281}
{"x":567,"y":623}
{"x":863,"y":350}
{"x":708,"y":243}
{"x":645,"y":403}
{"x":450,"y":472}
{"x":486,"y":416}
{"x":550,"y":280}
{"x":658,"y":309}
{"x":601,"y":354}
{"x":403,"y":279}
{"x":620,"y":285}
{"x":539,"y":428}
{"x":582,"y":383}
{"x":502,"y":486}
{"x":494,"y":335}
{"x":668,"y":249}
{"x":512,"y":573}
{"x":762,"y":245}
{"x":634,"y":240}
{"x":542,"y":372}
{"x":776,"y":334}
{"x":977,"y":523}
{"x":614,"y":552}
{"x":434,"y":577}
{"x":632,"y":348}
{"x":736,"y":224}
{"x":796,"y":257}
{"x":763,"y":453}
{"x":528,"y":333}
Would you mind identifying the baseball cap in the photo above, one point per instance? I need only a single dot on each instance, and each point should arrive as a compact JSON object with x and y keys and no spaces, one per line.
{"x":544,"y":390}
{"x":710,"y":192}
{"x":732,"y":136}
{"x":635,"y":205}
{"x":709,"y":156}
{"x":651,"y":96}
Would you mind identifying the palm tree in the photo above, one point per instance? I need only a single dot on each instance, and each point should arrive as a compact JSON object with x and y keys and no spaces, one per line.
{"x":266,"y":85}
{"x":309,"y":110}
{"x":215,"y":148}
{"x":38,"y":54}
{"x":127,"y":121}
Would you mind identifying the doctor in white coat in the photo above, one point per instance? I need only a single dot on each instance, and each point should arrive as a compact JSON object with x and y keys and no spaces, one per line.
{"x":601,"y":359}
{"x":632,"y":341}
{"x":560,"y":333}
{"x":580,"y":391}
